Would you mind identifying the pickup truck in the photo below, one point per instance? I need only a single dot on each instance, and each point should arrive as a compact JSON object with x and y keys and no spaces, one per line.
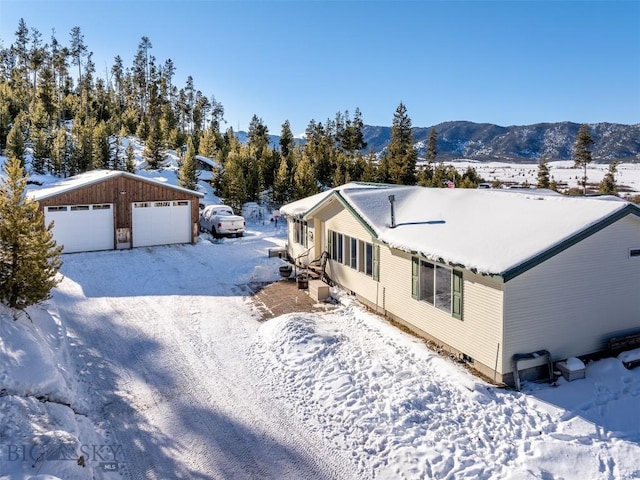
{"x":221,"y":221}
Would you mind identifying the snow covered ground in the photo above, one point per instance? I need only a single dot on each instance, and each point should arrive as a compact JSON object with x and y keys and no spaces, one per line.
{"x":627,"y":177}
{"x":170,"y":374}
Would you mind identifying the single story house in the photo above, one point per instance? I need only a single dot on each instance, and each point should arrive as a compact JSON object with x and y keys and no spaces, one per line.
{"x":109,"y":209}
{"x":491,"y":275}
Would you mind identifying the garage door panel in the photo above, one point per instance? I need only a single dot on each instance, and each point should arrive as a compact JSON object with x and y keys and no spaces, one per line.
{"x":161,"y":223}
{"x":82,"y":228}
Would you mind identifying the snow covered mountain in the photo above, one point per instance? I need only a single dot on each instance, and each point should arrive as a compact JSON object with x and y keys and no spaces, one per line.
{"x":519,"y":143}
{"x":522,"y":143}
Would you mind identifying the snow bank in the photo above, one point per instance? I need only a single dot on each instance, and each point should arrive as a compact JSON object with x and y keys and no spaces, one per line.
{"x":403,"y":411}
{"x":42,"y":436}
{"x":33,"y":354}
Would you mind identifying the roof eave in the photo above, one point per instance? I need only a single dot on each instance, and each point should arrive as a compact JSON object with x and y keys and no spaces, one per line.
{"x":523,"y":267}
{"x":110,"y":176}
{"x":340,"y":198}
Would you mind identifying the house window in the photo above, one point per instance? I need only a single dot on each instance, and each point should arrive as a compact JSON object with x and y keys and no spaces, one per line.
{"x":300,"y":232}
{"x":353,"y":253}
{"x":181,"y":203}
{"x":346,"y":256}
{"x":162,"y":204}
{"x":634,"y":252}
{"x":56,"y":209}
{"x":437,"y":285}
{"x":443,"y":288}
{"x":79,"y":208}
{"x":141,"y":205}
{"x":368,"y":252}
{"x":336,"y":246}
{"x":104,"y":206}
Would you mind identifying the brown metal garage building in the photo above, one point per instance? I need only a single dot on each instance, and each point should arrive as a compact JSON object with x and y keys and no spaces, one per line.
{"x":108,"y":209}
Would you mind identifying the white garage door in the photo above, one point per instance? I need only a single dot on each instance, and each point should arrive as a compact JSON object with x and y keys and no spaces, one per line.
{"x":82,"y":228}
{"x":161,"y":223}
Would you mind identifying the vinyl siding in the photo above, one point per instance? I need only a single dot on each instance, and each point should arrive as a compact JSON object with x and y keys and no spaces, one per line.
{"x":296,"y":250}
{"x":335,"y":217}
{"x":572,"y":303}
{"x":477,"y":334}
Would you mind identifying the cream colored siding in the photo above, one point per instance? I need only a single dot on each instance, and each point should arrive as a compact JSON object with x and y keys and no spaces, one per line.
{"x":482,"y":316}
{"x":573,"y":302}
{"x":336,"y":218}
{"x":477,"y":334}
{"x":295,"y":250}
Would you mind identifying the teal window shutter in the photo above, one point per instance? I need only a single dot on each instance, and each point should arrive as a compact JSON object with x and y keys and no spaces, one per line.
{"x":456,"y":306}
{"x":415,"y":263}
{"x":376,"y":262}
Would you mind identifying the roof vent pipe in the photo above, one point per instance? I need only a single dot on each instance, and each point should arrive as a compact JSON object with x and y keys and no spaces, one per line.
{"x":392,"y":199}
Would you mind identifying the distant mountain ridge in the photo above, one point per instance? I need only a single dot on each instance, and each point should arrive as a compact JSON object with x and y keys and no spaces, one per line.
{"x":520,"y":143}
{"x":525,"y":143}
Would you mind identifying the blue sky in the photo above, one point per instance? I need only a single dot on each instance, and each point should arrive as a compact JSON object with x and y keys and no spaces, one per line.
{"x":502,"y":62}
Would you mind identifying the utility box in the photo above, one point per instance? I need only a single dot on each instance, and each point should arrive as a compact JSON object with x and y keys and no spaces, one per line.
{"x":571,"y":369}
{"x":318,"y":290}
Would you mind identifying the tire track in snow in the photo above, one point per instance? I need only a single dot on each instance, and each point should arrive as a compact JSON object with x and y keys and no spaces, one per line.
{"x":166,"y":376}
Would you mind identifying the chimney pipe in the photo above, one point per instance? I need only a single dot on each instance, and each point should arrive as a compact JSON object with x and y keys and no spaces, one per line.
{"x":392,"y":198}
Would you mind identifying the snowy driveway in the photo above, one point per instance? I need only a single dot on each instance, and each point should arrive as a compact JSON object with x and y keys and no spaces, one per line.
{"x":161,"y":336}
{"x":180,"y":374}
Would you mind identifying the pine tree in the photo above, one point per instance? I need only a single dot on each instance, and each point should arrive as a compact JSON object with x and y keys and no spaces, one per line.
{"x":356,"y":132}
{"x":100,"y":147}
{"x":582,"y":153}
{"x":269,"y":163}
{"x":304,"y":180}
{"x":15,"y":143}
{"x":608,"y":185}
{"x":61,"y":153}
{"x":41,"y":151}
{"x":29,"y":257}
{"x":469,"y":179}
{"x":77,"y":50}
{"x":153,"y":151}
{"x":287,"y":141}
{"x":543,"y":173}
{"x":235,"y":183}
{"x":207,"y":146}
{"x":432,"y":148}
{"x":370,"y":170}
{"x":82,"y":152}
{"x":425,"y":175}
{"x":188,"y":173}
{"x":130,"y":159}
{"x":402,"y":156}
{"x":116,"y":153}
{"x":281,"y":184}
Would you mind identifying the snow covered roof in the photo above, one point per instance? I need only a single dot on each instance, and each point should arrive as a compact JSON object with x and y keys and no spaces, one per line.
{"x":494,"y":232}
{"x":302,"y":206}
{"x":209,"y":161}
{"x":90,"y":178}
